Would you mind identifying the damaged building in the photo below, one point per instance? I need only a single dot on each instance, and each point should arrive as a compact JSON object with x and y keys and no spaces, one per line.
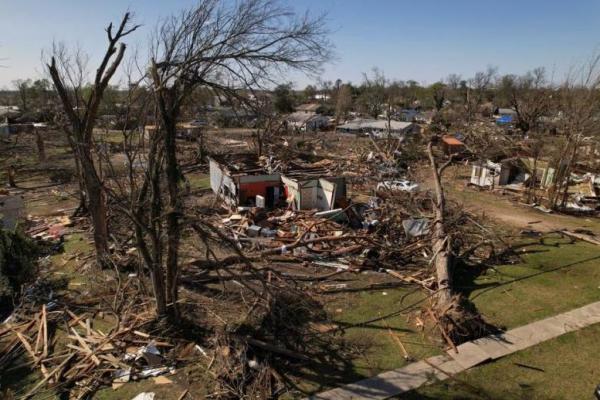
{"x":306,"y":193}
{"x":511,"y":173}
{"x":245,"y":180}
{"x":240,"y":180}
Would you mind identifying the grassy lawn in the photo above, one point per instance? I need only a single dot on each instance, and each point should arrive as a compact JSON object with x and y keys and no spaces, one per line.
{"x":380,"y":351}
{"x":554,"y":277}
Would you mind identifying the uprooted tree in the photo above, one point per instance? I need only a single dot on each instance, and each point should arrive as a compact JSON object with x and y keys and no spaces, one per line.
{"x":68,"y":73}
{"x":457,"y":320}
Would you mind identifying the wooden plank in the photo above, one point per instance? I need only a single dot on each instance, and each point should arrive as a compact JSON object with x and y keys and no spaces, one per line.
{"x":585,"y":238}
{"x":86,"y":347}
{"x":45,"y":326}
{"x":40,"y":383}
{"x":76,"y":319}
{"x":27,"y":346}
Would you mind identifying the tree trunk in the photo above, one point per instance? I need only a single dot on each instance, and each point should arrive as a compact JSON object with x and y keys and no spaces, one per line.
{"x":96,"y":204}
{"x":39,"y":140}
{"x":173,"y":214}
{"x":82,"y":208}
{"x":201,"y":150}
{"x":156,"y":274}
{"x":568,"y":169}
{"x":11,"y":176}
{"x":440,"y":239}
{"x":533,"y":178}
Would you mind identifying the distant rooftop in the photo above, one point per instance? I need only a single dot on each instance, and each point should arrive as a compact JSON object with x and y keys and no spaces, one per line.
{"x":375,"y":124}
{"x":308,"y":107}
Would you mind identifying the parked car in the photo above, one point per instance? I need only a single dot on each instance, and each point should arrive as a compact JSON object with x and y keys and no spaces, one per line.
{"x":398,"y":186}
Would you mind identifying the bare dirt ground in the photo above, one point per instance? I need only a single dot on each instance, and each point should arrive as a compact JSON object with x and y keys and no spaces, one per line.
{"x":504,"y":209}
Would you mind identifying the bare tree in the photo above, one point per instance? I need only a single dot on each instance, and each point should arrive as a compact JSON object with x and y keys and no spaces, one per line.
{"x":372,"y":98}
{"x":267,"y":123}
{"x":23,"y":87}
{"x":69,"y":77}
{"x":223,"y":47}
{"x":477,"y":89}
{"x":343,"y":102}
{"x":528,"y":95}
{"x":438,"y":92}
{"x":578,"y":100}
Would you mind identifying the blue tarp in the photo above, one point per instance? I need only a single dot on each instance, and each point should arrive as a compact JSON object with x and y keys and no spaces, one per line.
{"x":505,"y":119}
{"x":459,"y":136}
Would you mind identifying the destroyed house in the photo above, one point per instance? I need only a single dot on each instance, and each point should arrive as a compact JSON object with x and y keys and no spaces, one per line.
{"x":311,"y":191}
{"x":240,"y":180}
{"x":512,"y":173}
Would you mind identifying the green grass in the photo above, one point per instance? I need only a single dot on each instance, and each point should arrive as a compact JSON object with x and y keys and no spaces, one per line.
{"x":373,"y":347}
{"x":380,"y":352}
{"x":554,"y":277}
{"x":66,"y":264}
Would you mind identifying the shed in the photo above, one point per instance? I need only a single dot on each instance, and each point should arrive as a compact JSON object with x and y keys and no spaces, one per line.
{"x":452,"y":145}
{"x":485,"y":174}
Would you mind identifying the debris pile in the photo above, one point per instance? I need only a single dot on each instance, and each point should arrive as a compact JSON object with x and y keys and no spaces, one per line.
{"x":71,"y":353}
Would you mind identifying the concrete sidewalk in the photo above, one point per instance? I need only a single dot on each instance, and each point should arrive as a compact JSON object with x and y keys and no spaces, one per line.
{"x":469,"y":354}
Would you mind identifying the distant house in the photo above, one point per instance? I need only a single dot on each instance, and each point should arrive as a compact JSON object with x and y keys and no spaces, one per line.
{"x":309,"y":192}
{"x":9,"y":112}
{"x":452,"y":145}
{"x":307,"y":121}
{"x":238,"y":179}
{"x":377,"y":127}
{"x":407,"y":114}
{"x":424,"y":117}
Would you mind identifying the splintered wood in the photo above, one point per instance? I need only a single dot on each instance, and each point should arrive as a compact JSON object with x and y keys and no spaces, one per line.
{"x":81,"y":355}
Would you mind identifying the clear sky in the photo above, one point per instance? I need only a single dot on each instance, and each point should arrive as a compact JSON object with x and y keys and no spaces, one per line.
{"x":424,"y":40}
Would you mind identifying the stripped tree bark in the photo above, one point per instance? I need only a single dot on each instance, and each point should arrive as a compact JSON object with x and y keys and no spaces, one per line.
{"x":441,"y":255}
{"x":457,"y":318}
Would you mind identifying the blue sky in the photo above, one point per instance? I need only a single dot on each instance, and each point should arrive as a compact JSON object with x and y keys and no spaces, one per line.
{"x":423,"y":40}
